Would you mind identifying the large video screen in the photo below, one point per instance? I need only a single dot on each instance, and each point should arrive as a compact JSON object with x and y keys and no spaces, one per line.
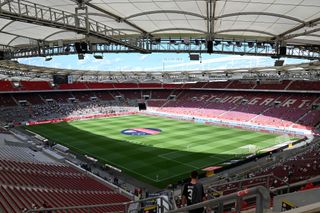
{"x":60,"y":79}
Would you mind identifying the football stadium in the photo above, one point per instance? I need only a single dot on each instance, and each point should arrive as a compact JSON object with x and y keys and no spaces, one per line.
{"x":172,"y":151}
{"x":159,"y":106}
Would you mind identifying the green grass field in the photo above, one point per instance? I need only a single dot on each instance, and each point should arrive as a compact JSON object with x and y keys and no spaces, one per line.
{"x":157,"y":159}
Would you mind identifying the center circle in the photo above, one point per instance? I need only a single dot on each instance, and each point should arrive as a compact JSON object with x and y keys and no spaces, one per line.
{"x":141,"y":131}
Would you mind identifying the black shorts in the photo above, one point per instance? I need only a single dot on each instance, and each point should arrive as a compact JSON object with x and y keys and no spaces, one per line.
{"x":200,"y":210}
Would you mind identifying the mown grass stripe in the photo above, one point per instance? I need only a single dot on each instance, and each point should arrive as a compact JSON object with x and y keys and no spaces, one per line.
{"x":157,"y":159}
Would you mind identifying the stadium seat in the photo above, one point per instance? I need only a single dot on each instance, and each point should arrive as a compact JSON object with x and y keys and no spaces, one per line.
{"x":24,"y":183}
{"x":7,"y":86}
{"x":35,"y":85}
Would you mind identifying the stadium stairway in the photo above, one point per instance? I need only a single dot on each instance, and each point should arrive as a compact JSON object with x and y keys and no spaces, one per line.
{"x":303,"y":117}
{"x":258,"y":115}
{"x":15,"y":100}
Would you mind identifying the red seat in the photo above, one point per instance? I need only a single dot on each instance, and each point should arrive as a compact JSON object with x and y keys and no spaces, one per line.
{"x":58,"y":185}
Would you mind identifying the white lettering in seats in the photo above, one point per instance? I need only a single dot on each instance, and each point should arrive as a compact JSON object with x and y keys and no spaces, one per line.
{"x":289,"y":102}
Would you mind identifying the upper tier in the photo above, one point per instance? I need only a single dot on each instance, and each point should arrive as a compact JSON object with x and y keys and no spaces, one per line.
{"x":8,"y":86}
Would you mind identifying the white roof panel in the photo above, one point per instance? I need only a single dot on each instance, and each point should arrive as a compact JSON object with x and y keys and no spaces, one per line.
{"x":6,"y":38}
{"x":30,"y":30}
{"x":239,"y":18}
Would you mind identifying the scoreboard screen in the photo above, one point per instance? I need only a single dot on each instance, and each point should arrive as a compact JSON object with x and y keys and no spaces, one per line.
{"x":60,"y":79}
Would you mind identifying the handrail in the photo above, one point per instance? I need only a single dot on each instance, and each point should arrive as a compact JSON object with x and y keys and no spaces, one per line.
{"x":288,"y":155}
{"x":240,"y":180}
{"x":89,"y":207}
{"x":297,"y":184}
{"x":262,"y":200}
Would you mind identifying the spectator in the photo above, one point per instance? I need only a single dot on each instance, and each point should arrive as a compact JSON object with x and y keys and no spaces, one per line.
{"x":193,"y":193}
{"x":24,"y":209}
{"x":34,"y":206}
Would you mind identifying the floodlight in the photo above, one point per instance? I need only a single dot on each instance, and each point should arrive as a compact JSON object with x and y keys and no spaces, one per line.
{"x":80,"y":56}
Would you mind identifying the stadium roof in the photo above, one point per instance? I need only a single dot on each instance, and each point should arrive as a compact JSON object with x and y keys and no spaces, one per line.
{"x":137,"y":25}
{"x":308,"y":71}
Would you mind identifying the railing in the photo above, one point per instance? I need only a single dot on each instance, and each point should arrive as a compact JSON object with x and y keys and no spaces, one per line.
{"x":160,"y":203}
{"x":166,"y":47}
{"x":295,"y":186}
{"x":265,"y":178}
{"x":262,"y":201}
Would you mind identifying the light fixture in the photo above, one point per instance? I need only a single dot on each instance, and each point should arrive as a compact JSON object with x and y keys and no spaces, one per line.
{"x":194,"y":57}
{"x":216,"y":43}
{"x":250,"y":44}
{"x":80,"y":56}
{"x":67,"y":49}
{"x":278,"y":63}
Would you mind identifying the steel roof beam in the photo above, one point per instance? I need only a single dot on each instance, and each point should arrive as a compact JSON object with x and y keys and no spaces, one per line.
{"x":55,"y":33}
{"x":101,"y":15}
{"x":245,"y":30}
{"x":46,"y":16}
{"x":118,"y":18}
{"x":5,"y":2}
{"x":165,"y":11}
{"x":212,"y":4}
{"x":301,"y":26}
{"x":180,"y":47}
{"x":260,"y":14}
{"x":212,"y":16}
{"x":12,"y":40}
{"x":182,"y":29}
{"x":6,"y":25}
{"x":208,"y":19}
{"x":314,"y":35}
{"x":6,"y":47}
{"x":305,"y":33}
{"x":19,"y":36}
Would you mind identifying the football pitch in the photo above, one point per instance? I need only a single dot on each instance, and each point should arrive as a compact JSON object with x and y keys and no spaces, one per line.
{"x":156,"y":150}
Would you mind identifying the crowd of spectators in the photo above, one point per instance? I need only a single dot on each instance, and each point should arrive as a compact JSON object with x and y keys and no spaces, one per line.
{"x":282,"y":172}
{"x":54,"y":110}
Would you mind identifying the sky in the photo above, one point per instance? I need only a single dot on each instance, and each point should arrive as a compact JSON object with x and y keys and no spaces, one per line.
{"x":154,"y":62}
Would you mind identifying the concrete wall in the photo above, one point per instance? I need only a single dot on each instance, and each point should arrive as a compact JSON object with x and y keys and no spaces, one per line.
{"x":313,"y":208}
{"x":296,"y":199}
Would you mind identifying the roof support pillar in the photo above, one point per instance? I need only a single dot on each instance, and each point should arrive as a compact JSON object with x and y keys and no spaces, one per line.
{"x":211,"y":7}
{"x":208,"y":20}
